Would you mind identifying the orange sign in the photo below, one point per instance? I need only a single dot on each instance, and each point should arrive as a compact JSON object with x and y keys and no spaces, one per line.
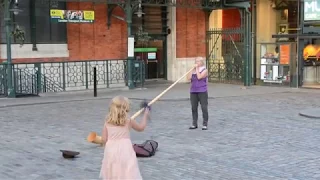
{"x":284,"y":54}
{"x":311,"y":50}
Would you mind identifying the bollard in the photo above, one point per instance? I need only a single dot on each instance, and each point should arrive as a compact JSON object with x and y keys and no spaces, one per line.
{"x":94,"y":82}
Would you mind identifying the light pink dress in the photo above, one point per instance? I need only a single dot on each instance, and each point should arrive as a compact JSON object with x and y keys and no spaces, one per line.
{"x":119,"y":161}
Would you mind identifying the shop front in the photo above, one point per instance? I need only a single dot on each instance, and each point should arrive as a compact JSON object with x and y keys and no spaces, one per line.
{"x":291,"y":57}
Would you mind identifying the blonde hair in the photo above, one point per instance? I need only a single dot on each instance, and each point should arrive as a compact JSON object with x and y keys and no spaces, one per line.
{"x":118,"y":111}
{"x":201,"y":60}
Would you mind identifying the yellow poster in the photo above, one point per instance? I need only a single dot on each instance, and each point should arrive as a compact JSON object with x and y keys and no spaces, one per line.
{"x":71,"y":16}
{"x":56,"y":13}
{"x":88,"y":15}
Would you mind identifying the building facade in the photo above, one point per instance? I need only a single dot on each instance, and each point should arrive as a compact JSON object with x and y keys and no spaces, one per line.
{"x":287,"y":43}
{"x":284,"y":35}
{"x":179,"y":38}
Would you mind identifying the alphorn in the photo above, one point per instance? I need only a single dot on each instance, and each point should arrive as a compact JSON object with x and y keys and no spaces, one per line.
{"x":94,"y":138}
{"x":160,"y":95}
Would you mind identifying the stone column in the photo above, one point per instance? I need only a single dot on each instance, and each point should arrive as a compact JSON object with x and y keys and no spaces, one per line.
{"x":171,"y":44}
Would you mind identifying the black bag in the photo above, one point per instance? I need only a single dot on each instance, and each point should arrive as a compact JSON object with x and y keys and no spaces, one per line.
{"x":147,"y":149}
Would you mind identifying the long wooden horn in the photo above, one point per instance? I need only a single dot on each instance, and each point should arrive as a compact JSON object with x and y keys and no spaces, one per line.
{"x":94,"y":138}
{"x":161,"y":94}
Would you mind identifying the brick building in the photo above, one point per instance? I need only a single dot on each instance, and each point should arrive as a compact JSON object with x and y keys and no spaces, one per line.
{"x":98,"y":41}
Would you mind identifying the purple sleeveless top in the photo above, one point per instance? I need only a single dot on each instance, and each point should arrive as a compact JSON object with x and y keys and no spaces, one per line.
{"x":199,"y":85}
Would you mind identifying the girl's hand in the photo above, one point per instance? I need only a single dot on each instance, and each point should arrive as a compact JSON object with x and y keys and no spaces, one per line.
{"x":147,"y":113}
{"x":147,"y":110}
{"x":145,"y":105}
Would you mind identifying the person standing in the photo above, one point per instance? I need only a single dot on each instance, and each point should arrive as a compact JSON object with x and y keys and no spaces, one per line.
{"x":199,"y":93}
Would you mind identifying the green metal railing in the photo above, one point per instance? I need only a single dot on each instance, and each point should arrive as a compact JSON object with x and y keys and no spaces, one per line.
{"x":24,"y":81}
{"x":225,"y":58}
{"x":3,"y":82}
{"x":75,"y":75}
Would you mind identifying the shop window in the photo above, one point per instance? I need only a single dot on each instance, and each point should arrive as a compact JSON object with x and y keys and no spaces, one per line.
{"x":287,"y":17}
{"x":46,"y":31}
{"x":22,"y":20}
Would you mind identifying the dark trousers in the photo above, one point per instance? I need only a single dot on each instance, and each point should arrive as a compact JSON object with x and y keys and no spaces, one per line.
{"x":195,"y":98}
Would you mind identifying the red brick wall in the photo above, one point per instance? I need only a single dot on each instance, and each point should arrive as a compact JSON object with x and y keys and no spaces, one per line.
{"x":231,"y":18}
{"x":95,"y":41}
{"x":191,"y":33}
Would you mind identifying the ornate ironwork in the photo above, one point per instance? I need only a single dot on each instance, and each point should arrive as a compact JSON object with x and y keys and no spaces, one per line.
{"x":24,"y":80}
{"x":226,"y":55}
{"x":64,"y":76}
{"x":3,"y":82}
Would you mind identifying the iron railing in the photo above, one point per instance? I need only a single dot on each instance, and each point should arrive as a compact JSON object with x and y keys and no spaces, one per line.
{"x":225,"y":58}
{"x":3,"y":81}
{"x":24,"y":81}
{"x":75,"y":75}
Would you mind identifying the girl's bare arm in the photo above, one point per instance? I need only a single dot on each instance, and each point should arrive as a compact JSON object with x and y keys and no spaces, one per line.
{"x":142,"y":125}
{"x":104,"y":134}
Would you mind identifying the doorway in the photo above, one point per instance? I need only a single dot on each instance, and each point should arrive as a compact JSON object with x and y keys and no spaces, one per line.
{"x":154,"y":57}
{"x":311,"y":63}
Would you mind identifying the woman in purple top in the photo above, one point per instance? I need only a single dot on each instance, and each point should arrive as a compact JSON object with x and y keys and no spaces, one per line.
{"x":199,"y":93}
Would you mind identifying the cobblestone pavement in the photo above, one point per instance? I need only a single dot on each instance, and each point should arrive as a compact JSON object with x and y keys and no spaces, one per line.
{"x":179,"y":92}
{"x":257,"y":137}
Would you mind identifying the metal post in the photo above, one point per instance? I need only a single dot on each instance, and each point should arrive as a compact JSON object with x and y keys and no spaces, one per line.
{"x":7,"y":19}
{"x":254,"y":40}
{"x":300,"y":45}
{"x":128,"y":10}
{"x":249,"y":45}
{"x":247,"y":48}
{"x":33,"y":25}
{"x":95,"y":82}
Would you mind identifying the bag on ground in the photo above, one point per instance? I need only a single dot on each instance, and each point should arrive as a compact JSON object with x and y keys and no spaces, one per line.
{"x":146,"y":149}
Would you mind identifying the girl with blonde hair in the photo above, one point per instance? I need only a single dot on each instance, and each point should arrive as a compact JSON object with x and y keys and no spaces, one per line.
{"x":120,"y":161}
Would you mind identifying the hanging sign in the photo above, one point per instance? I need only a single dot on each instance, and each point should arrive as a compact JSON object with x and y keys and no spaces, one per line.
{"x":71,"y":16}
{"x":311,"y":10}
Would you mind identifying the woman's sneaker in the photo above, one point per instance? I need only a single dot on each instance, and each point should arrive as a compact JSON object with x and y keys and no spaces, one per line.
{"x":204,"y":128}
{"x":193,"y":127}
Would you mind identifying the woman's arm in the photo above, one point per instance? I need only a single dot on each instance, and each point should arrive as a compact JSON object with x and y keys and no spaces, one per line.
{"x":140,"y":127}
{"x":104,"y":134}
{"x":189,"y":76}
{"x":201,"y":75}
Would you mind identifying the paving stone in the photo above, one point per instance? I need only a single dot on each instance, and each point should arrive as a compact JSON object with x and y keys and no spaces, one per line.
{"x":259,"y":136}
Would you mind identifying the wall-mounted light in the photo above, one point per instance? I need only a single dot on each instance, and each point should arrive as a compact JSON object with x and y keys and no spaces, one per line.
{"x":139,"y":13}
{"x":15,"y":8}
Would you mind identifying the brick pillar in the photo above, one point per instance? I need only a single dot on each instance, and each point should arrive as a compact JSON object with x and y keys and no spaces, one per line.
{"x":190,"y":39}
